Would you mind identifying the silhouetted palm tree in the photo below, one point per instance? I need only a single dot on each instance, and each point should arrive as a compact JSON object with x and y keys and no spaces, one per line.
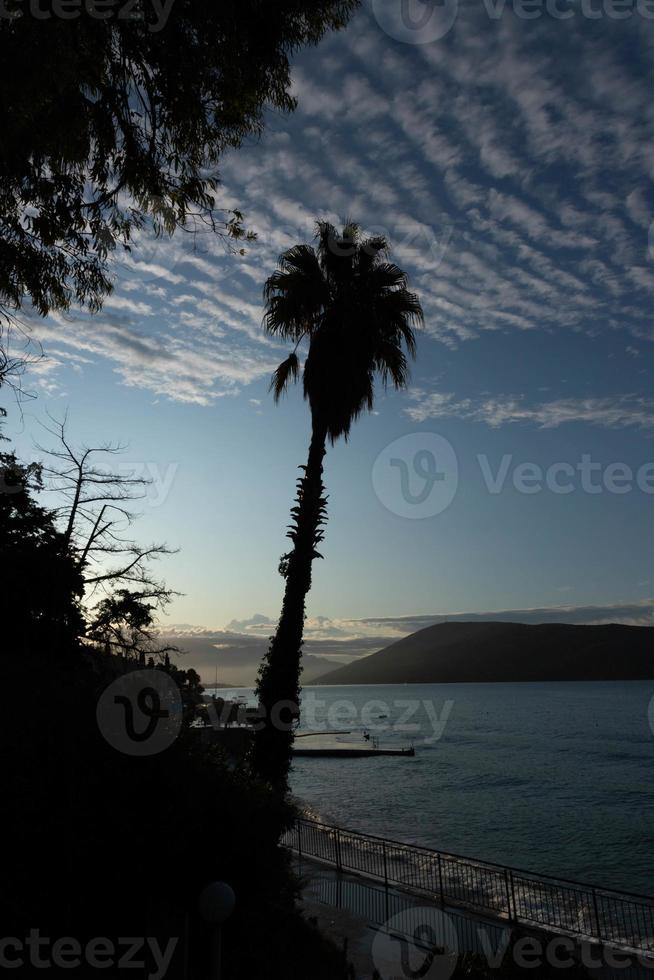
{"x":353,"y":307}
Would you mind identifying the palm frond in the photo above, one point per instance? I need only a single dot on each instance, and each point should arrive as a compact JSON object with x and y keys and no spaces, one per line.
{"x":294,"y":294}
{"x":301,"y":258}
{"x":391,"y":364}
{"x":370,"y":252}
{"x":325,"y":234}
{"x":387,"y":276}
{"x":351,"y":231}
{"x":337,"y":250}
{"x":287,"y":372}
{"x":354,"y":306}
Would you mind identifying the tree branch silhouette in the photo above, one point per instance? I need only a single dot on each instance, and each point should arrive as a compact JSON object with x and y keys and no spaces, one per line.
{"x":94,"y":505}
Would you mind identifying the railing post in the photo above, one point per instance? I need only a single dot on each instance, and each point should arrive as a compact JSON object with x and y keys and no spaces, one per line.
{"x":511,"y":913}
{"x":597,"y":918}
{"x":515,"y":904}
{"x":385,"y":865}
{"x":337,"y":842}
{"x":299,"y":839}
{"x":440,"y":879}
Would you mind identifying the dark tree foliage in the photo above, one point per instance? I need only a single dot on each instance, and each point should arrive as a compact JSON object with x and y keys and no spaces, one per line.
{"x":98,"y":843}
{"x":119,"y":116}
{"x":124,"y":624}
{"x":41,"y":583}
{"x":353,"y":307}
{"x":189,"y":684}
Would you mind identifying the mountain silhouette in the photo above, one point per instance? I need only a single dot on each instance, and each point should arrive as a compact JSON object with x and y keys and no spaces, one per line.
{"x":491,"y":651}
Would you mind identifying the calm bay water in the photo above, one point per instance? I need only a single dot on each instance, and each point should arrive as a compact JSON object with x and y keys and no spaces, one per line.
{"x":551,"y":777}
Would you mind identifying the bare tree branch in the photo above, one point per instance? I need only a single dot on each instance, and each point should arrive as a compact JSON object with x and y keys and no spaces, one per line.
{"x":94,"y":504}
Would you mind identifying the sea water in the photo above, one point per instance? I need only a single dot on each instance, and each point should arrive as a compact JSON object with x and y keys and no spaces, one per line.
{"x":555,"y":778}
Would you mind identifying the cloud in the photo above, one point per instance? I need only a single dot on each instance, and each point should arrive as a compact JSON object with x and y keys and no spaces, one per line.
{"x":192,"y":367}
{"x":117,"y":302}
{"x":316,"y":629}
{"x":638,"y":208}
{"x":525,"y":154}
{"x":533,"y":223}
{"x":254,"y":624}
{"x":236,"y":655}
{"x":328,"y":637}
{"x":628,"y":411}
{"x":638,"y":613}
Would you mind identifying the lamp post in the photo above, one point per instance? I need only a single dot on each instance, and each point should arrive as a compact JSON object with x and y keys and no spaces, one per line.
{"x":216,"y":904}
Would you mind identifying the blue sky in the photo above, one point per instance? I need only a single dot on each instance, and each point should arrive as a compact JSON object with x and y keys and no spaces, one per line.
{"x":510,"y":164}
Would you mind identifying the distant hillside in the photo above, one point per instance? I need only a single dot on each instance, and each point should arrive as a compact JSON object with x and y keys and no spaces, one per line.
{"x":450,"y":652}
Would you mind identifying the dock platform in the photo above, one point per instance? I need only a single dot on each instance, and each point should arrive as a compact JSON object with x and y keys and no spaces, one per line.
{"x":328,"y":746}
{"x":347,"y":752}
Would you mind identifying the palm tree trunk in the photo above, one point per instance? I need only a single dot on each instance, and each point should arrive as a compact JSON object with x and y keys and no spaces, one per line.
{"x":278,"y":686}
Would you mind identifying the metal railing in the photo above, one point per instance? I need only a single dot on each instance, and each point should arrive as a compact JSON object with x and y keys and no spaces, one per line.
{"x":557,"y":904}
